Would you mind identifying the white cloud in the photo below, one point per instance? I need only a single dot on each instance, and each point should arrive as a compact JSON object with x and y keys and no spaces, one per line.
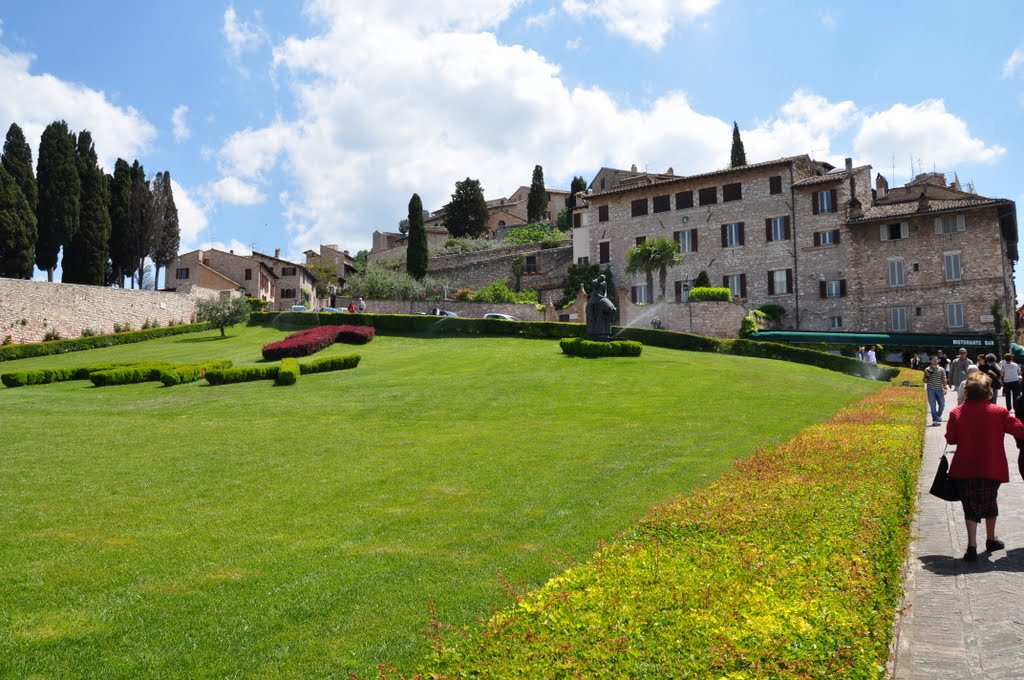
{"x":233,"y":246}
{"x":541,"y":20}
{"x":236,"y":192}
{"x":1012,"y":63}
{"x":118,"y":131}
{"x":641,"y":21}
{"x":828,"y":20}
{"x":180,"y":125}
{"x":574,"y":44}
{"x":241,"y":37}
{"x":192,"y":220}
{"x":806,"y":124}
{"x":923,"y":131}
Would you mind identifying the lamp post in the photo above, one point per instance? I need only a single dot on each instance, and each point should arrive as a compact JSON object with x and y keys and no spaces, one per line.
{"x":689,"y":309}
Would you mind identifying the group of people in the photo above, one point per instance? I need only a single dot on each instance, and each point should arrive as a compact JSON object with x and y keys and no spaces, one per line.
{"x":977,"y":427}
{"x":867,"y":355}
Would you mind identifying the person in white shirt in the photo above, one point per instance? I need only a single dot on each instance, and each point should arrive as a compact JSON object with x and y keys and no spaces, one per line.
{"x":872,"y":359}
{"x":1011,"y":380}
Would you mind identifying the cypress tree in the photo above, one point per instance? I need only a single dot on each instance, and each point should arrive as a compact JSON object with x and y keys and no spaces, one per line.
{"x":59,"y":190}
{"x":416,"y":251}
{"x":537,"y":200}
{"x":85,"y":256}
{"x":17,"y":160}
{"x":739,"y":156}
{"x":119,"y":205}
{"x":167,"y":233}
{"x":141,"y":220}
{"x":466,"y":215}
{"x":17,"y":230}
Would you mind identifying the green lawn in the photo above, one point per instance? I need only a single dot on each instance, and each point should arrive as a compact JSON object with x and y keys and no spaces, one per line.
{"x":258,"y":531}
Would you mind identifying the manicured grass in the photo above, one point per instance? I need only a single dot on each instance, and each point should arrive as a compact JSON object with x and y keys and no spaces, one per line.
{"x":257,"y":531}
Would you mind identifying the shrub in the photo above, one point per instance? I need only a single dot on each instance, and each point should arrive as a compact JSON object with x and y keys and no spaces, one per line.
{"x":256,"y":304}
{"x":8,"y":340}
{"x":380,"y":283}
{"x":703,"y":279}
{"x":326,"y":364}
{"x":534,"y":233}
{"x":63,"y":346}
{"x":461,"y":246}
{"x":223,"y":312}
{"x":44,"y":376}
{"x":355,"y":335}
{"x":288,"y":373}
{"x":748,"y":326}
{"x":51,"y":335}
{"x":188,"y":373}
{"x":773,"y":312}
{"x":122,"y":328}
{"x":706,"y":293}
{"x":129,"y":375}
{"x":88,"y":332}
{"x":578,"y":347}
{"x":499,"y":292}
{"x":224,"y":376}
{"x":463,"y":294}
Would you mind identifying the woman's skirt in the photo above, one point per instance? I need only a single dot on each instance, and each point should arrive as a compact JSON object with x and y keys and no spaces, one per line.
{"x":978,"y":497}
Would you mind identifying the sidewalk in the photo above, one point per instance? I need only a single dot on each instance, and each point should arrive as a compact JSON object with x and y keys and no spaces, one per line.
{"x":961,"y":620}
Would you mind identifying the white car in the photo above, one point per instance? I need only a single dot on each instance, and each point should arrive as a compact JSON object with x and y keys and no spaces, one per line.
{"x":298,"y":308}
{"x":503,"y":317}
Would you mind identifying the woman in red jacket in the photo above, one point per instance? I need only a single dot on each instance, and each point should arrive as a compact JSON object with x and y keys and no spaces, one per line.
{"x":977,"y":428}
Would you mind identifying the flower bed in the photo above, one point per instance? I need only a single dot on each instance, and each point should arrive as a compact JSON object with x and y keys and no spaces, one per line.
{"x":312,"y":340}
{"x":786,"y":567}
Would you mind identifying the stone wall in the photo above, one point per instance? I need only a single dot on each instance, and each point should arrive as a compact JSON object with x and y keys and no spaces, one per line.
{"x":30,"y":309}
{"x":468,"y":309}
{"x":713,"y":319}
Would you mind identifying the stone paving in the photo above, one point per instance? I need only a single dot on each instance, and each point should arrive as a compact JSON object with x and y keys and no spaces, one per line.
{"x":961,"y":620}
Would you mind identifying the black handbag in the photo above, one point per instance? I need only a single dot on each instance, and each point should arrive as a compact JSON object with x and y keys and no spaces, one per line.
{"x":943,"y":487}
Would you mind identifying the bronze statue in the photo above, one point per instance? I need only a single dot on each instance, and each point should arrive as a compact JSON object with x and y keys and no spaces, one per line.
{"x":600,"y":311}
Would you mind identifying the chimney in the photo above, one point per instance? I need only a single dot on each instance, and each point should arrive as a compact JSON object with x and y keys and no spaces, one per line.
{"x":231,"y":252}
{"x":881,"y":185}
{"x":671,"y":172}
{"x":632,"y":168}
{"x":854,"y":203}
{"x":849,"y":165}
{"x":922,"y":203}
{"x":277,"y":253}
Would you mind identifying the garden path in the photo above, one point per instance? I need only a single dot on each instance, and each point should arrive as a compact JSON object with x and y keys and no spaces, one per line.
{"x":961,"y":620}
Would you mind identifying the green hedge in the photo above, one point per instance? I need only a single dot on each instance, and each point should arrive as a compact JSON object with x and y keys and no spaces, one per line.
{"x":713,"y":294}
{"x":325,"y":364}
{"x":44,"y":376}
{"x":288,"y":373}
{"x":813,"y":357}
{"x":39,"y":349}
{"x":131,"y":374}
{"x":578,"y":347}
{"x":189,"y":373}
{"x":789,"y":566}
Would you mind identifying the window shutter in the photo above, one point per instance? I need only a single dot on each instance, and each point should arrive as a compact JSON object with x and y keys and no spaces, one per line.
{"x":842,"y":287}
{"x":835,"y":239}
{"x":821,"y":289}
{"x":938,"y":225}
{"x":786,"y":227}
{"x":767,"y":229}
{"x":832,"y":195}
{"x":904,"y":230}
{"x":814,"y":202}
{"x":789,"y":281}
{"x":771,"y":283}
{"x":817,"y":238}
{"x":961,"y":223}
{"x":741,"y":235}
{"x":693,"y":239}
{"x":725,"y":282}
{"x":632,"y":295}
{"x":675,"y":237}
{"x":883,"y":232}
{"x":725,"y":237}
{"x":743,"y":285}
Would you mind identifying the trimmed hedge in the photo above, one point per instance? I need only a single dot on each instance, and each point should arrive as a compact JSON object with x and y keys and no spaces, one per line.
{"x":224,"y":376}
{"x":39,"y":349}
{"x":578,"y":347}
{"x":789,"y":566}
{"x":189,"y":373}
{"x":288,"y":373}
{"x":714,"y":294}
{"x":326,"y":364}
{"x":312,"y":340}
{"x":45,"y":376}
{"x":130,"y":375}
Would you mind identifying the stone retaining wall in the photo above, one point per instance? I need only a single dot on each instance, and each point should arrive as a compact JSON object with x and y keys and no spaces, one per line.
{"x":30,"y":309}
{"x":473,"y":310}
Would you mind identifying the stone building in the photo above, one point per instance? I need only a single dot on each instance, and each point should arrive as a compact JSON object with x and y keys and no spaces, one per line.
{"x":295,"y":284}
{"x":216,"y":270}
{"x":815,"y":240}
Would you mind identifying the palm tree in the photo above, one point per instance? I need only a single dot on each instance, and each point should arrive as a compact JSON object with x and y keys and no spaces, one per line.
{"x":654,"y":255}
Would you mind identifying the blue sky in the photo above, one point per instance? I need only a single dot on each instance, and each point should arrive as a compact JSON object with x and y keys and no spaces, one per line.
{"x":288,"y":125}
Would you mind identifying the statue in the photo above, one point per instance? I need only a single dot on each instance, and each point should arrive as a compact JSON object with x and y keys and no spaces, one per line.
{"x":600,"y":311}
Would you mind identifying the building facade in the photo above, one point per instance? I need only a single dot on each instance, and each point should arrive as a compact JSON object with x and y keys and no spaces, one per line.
{"x":815,"y":240}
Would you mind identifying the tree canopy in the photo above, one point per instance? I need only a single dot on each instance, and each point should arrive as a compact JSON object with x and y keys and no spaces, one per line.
{"x":466,"y":215}
{"x":85,"y":255}
{"x":141,"y":218}
{"x":17,"y":160}
{"x":119,"y":205}
{"x":653,"y":255}
{"x":223,"y":312}
{"x":17,"y":230}
{"x":416,"y":249}
{"x":739,"y":156}
{"x":537,"y":200}
{"x":166,"y":230}
{"x":59,"y":194}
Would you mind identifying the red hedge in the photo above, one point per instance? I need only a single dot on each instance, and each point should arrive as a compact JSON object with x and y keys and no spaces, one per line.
{"x":312,"y":340}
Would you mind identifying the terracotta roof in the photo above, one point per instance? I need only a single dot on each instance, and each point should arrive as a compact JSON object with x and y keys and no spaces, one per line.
{"x":833,"y":176}
{"x":683,"y":178}
{"x":935,"y":205}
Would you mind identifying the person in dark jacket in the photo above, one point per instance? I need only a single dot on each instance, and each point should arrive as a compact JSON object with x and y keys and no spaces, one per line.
{"x":988,"y":364}
{"x":977,"y":429}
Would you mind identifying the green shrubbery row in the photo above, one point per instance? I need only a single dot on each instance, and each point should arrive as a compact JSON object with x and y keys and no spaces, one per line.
{"x":787,"y":567}
{"x":578,"y":347}
{"x":45,"y":376}
{"x":285,"y":373}
{"x":38,"y":349}
{"x":189,"y":373}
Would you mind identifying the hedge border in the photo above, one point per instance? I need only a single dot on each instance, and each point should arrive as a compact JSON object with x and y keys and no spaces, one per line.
{"x":589,"y":349}
{"x":39,"y":349}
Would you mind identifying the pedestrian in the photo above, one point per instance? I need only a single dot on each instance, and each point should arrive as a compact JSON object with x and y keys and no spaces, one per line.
{"x":1010,"y":375}
{"x":351,"y":308}
{"x":362,"y":305}
{"x":961,"y":395}
{"x":943,"y":360}
{"x":861,"y":354}
{"x":977,"y":428}
{"x":935,"y":383}
{"x":915,"y":361}
{"x":870,"y":357}
{"x":991,"y":368}
{"x":958,"y":368}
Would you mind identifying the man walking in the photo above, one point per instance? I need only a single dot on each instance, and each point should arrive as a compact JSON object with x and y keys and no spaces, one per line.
{"x":958,"y":368}
{"x":935,"y":380}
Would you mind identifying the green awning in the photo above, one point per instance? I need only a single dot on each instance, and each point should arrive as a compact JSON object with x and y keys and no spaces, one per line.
{"x":886,"y":340}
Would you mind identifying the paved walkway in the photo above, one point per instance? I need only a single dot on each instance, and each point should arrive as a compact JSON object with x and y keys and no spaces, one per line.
{"x":961,"y":620}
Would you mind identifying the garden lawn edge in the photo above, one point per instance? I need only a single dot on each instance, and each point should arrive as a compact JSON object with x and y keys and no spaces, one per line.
{"x":788,"y":566}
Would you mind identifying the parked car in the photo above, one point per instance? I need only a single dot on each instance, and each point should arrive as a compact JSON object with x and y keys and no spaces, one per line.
{"x":496,"y":315}
{"x":298,"y":308}
{"x":442,"y":312}
{"x":330,"y":310}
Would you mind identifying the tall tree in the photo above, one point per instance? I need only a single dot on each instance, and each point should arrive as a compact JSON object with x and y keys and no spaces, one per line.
{"x":466,"y":215}
{"x":537,"y":200}
{"x":141,"y":219}
{"x":167,"y":233}
{"x":85,"y":255}
{"x":17,"y":230}
{"x":739,"y":156}
{"x":17,"y":160}
{"x":59,"y":191}
{"x":416,"y":250}
{"x":119,"y":204}
{"x":653,"y":255}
